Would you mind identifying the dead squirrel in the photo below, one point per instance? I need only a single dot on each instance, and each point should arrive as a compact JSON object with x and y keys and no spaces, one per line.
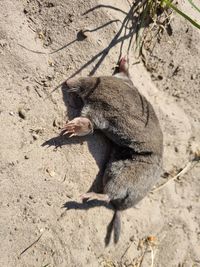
{"x":113,"y":105}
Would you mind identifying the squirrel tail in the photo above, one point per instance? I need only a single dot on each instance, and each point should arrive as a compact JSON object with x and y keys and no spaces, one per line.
{"x":115,"y":226}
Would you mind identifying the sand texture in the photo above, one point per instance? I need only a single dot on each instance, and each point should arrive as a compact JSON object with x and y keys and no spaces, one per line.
{"x":43,"y":175}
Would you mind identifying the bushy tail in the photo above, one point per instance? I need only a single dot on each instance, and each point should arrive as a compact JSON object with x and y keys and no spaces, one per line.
{"x":115,"y":226}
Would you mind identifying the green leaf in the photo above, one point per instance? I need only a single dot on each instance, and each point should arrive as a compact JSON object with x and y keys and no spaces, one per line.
{"x":194,"y":5}
{"x":169,"y":4}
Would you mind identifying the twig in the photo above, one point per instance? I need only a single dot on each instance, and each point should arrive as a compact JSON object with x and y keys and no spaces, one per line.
{"x":64,"y":178}
{"x":34,"y":51}
{"x":126,"y":251}
{"x":142,"y":257}
{"x":31,"y":28}
{"x":188,"y":166}
{"x":152,"y":256}
{"x":38,"y":82}
{"x":138,"y":5}
{"x":35,"y":88}
{"x":31,"y":245}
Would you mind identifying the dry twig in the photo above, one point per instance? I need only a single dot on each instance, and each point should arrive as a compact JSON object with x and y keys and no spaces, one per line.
{"x":31,"y":245}
{"x":188,"y":166}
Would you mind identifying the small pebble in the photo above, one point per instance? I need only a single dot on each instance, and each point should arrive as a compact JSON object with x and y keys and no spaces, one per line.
{"x":160,"y":77}
{"x":165,"y":175}
{"x":69,"y":195}
{"x":176,"y":149}
{"x":22,"y":113}
{"x":80,"y":222}
{"x":51,"y":63}
{"x":55,"y":123}
{"x":50,"y":172}
{"x":28,"y":88}
{"x":48,"y":203}
{"x":35,"y":136}
{"x":3,"y":43}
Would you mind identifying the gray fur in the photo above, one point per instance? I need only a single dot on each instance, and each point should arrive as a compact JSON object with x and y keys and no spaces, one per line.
{"x":116,"y":107}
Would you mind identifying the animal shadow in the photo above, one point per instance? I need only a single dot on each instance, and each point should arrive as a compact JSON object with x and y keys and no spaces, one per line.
{"x":73,"y":105}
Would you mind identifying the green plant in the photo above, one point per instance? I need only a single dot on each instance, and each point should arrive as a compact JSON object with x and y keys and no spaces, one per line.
{"x":154,"y":16}
{"x":170,"y":4}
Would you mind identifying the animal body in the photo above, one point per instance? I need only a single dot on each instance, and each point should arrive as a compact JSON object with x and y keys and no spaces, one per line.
{"x":113,"y":105}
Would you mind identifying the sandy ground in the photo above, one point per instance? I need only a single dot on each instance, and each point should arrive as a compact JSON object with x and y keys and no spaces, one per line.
{"x":40,"y":184}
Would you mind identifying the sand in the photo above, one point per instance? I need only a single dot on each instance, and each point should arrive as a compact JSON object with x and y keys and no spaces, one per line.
{"x":42,"y":175}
